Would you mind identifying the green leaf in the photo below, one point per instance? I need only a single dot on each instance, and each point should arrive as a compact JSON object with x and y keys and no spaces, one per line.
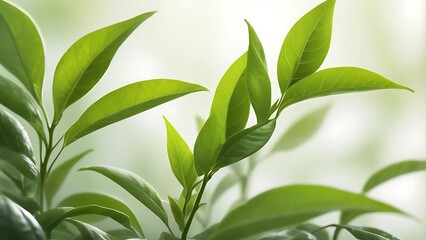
{"x":289,"y":205}
{"x":336,"y":81}
{"x":180,"y":157}
{"x":306,"y":45}
{"x":20,"y":102}
{"x":82,"y":199}
{"x":245,"y":143}
{"x":20,"y":162}
{"x":89,"y":232}
{"x":199,"y":121}
{"x":293,"y":234}
{"x":17,"y":223}
{"x":258,"y":83}
{"x":86,"y":61}
{"x":27,"y":203}
{"x":177,"y":213}
{"x":367,"y":233}
{"x":207,"y":233}
{"x":393,"y":171}
{"x":123,"y":234}
{"x":21,"y":48}
{"x":224,"y":184}
{"x":58,"y":175}
{"x":51,"y":218}
{"x":313,"y":229}
{"x":168,"y":236}
{"x":136,"y":186}
{"x":213,"y":133}
{"x":301,"y":131}
{"x":239,"y":107}
{"x":126,"y":102}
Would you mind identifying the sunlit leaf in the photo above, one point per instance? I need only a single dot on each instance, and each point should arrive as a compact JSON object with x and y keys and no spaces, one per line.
{"x":21,"y":48}
{"x":136,"y":186}
{"x":89,"y":232}
{"x":86,"y":61}
{"x":306,"y":45}
{"x":289,"y":205}
{"x":17,"y":223}
{"x":177,"y":213}
{"x":58,"y":175}
{"x":126,"y":102}
{"x":258,"y":83}
{"x":245,"y":143}
{"x":239,"y":107}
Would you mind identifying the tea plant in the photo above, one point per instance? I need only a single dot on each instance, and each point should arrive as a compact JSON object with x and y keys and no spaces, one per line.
{"x":78,"y":71}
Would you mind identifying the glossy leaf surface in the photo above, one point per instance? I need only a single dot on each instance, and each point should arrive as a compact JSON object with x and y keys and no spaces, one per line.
{"x":285,"y":206}
{"x":21,"y":48}
{"x":27,"y":203}
{"x":180,"y":157}
{"x":89,"y":232}
{"x":258,"y":83}
{"x":239,"y":107}
{"x":126,"y":102}
{"x":21,"y":163}
{"x":306,"y":45}
{"x":136,"y":186}
{"x":85,"y":62}
{"x":245,"y":143}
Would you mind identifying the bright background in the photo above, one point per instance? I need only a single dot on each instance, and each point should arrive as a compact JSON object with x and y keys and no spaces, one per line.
{"x":197,"y":40}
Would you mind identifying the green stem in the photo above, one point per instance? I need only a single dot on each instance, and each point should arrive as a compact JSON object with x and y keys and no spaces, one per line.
{"x":196,"y":206}
{"x":44,"y":165}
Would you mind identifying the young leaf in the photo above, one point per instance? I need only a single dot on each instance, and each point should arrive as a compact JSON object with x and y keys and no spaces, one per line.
{"x":21,"y":48}
{"x":336,"y":81}
{"x":301,"y":131}
{"x":17,"y":223}
{"x":245,"y":143}
{"x":51,"y":218}
{"x":366,"y":233}
{"x":306,"y":45}
{"x":239,"y":107}
{"x":177,"y":213}
{"x":85,"y":62}
{"x":126,"y":102}
{"x":393,"y":171}
{"x":136,"y":186}
{"x":56,"y":178}
{"x":82,"y":199}
{"x":289,"y":205}
{"x":89,"y":232}
{"x":224,"y":184}
{"x":180,"y":157}
{"x":258,"y":83}
{"x":22,"y":103}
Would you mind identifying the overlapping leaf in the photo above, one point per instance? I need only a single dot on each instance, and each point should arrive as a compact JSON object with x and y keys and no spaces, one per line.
{"x":89,"y":232}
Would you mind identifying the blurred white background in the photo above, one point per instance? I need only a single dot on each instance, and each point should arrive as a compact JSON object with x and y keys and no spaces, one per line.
{"x":197,"y":40}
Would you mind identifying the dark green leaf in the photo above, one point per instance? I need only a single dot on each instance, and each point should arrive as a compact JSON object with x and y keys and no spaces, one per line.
{"x":136,"y":186}
{"x":82,"y":199}
{"x":177,"y":213}
{"x":301,"y":131}
{"x":20,"y":162}
{"x":58,"y":175}
{"x":245,"y":143}
{"x":224,"y":184}
{"x":393,"y":171}
{"x":27,"y":203}
{"x":126,"y":102}
{"x":289,"y":205}
{"x":336,"y":81}
{"x":86,"y":61}
{"x":17,"y":223}
{"x":293,"y":234}
{"x":367,"y":233}
{"x":239,"y":108}
{"x":20,"y":102}
{"x":313,"y":229}
{"x":258,"y":83}
{"x":180,"y":157}
{"x":21,"y":48}
{"x":89,"y":232}
{"x":306,"y":45}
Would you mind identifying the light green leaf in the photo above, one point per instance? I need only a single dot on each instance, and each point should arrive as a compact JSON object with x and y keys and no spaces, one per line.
{"x":136,"y":186}
{"x":180,"y":157}
{"x":57,"y":176}
{"x":293,"y":234}
{"x":51,"y":218}
{"x":366,"y":233}
{"x":82,"y":199}
{"x":21,"y":48}
{"x":239,"y":108}
{"x":301,"y":131}
{"x":224,"y":184}
{"x":17,"y":223}
{"x":306,"y":45}
{"x":245,"y":143}
{"x":177,"y":213}
{"x":22,"y":103}
{"x":393,"y":171}
{"x":258,"y":83}
{"x":89,"y":232}
{"x":289,"y":205}
{"x":126,"y":102}
{"x":313,"y":229}
{"x":86,"y":61}
{"x":199,"y":121}
{"x":337,"y":80}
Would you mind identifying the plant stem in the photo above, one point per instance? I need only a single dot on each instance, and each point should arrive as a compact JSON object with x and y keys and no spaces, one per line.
{"x":44,"y":165}
{"x":196,"y":206}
